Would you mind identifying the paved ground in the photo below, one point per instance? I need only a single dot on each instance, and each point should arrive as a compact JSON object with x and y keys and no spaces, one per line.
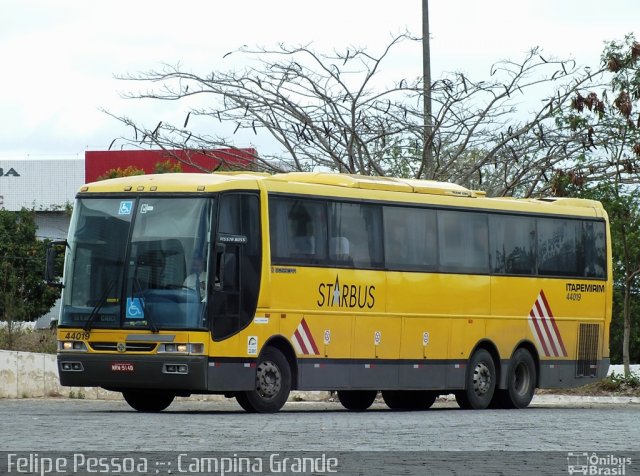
{"x":551,"y":423}
{"x":443,"y":440}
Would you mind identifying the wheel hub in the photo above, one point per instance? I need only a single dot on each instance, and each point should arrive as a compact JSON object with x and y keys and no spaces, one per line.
{"x":269,"y":379}
{"x":481,"y":379}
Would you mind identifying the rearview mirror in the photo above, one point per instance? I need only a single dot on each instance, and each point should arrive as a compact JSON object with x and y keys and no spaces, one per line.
{"x":50,"y":264}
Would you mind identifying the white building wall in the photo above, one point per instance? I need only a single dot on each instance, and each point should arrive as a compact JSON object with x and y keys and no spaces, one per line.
{"x":40,"y":184}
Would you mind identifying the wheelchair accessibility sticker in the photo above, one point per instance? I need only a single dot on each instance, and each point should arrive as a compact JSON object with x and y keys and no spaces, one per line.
{"x":125,"y":207}
{"x":135,"y":308}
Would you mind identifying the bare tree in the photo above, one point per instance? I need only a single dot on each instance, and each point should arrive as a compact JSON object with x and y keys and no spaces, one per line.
{"x":335,"y":111}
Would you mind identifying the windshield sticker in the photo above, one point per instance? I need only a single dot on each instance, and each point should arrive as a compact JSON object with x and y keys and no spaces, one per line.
{"x":145,"y":207}
{"x":135,"y":308}
{"x":252,"y":345}
{"x":125,"y":207}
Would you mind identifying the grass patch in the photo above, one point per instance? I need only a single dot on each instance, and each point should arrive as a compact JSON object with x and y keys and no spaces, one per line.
{"x":619,"y":383}
{"x":612,"y":385}
{"x":25,"y":339}
{"x":79,"y":395}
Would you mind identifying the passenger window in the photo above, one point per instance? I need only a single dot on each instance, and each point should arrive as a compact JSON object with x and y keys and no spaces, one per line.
{"x":463,"y":242}
{"x":410,"y":238}
{"x":298,"y":231}
{"x":355,"y":235}
{"x":594,"y":239}
{"x":558,"y":247}
{"x":513,"y":242}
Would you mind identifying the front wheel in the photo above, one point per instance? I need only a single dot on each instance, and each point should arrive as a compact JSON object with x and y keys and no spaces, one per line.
{"x":273,"y":384}
{"x":150,"y":401}
{"x":480,"y":382}
{"x":357,"y":399}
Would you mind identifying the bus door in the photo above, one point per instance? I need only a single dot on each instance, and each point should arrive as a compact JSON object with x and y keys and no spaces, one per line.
{"x":236,"y":264}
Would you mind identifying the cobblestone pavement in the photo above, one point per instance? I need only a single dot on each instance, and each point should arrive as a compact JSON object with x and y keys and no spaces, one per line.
{"x":191,"y":425}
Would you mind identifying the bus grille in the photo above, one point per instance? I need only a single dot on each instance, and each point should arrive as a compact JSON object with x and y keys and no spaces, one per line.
{"x":131,"y":346}
{"x":587,"y":364}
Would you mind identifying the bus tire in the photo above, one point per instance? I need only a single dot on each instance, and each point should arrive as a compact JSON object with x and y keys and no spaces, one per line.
{"x":521,"y":381}
{"x":149,"y":401}
{"x":273,"y":384}
{"x":358,"y":400}
{"x":480,"y":382}
{"x":409,"y":399}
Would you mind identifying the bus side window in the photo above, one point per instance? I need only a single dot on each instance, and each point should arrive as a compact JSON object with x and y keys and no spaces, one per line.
{"x":298,"y":231}
{"x":463,"y":242}
{"x":339,"y":250}
{"x":361,"y":225}
{"x":593,"y":244}
{"x":558,"y":247}
{"x":410,"y":238}
{"x":303,"y":246}
{"x":513,"y":241}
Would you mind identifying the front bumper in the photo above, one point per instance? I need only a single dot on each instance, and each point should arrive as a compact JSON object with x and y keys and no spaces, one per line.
{"x":116,"y":372}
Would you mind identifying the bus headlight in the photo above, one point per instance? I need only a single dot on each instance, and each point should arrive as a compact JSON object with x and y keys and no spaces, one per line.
{"x":71,"y":346}
{"x":197,"y":348}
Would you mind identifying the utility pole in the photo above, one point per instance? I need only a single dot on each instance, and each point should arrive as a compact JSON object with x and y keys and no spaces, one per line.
{"x":427,"y":154}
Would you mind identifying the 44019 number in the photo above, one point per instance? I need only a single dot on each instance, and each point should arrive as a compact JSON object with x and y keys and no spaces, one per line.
{"x":574,"y":296}
{"x":77,"y":335}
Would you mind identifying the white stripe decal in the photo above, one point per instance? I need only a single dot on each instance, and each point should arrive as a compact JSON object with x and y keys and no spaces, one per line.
{"x":544,"y":329}
{"x":303,"y":341}
{"x":294,"y":341}
{"x":543,"y":334}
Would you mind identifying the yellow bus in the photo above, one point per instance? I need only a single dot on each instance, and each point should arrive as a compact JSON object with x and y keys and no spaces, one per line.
{"x":253,"y":285}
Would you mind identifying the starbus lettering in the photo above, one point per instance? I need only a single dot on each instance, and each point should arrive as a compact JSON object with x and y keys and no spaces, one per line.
{"x":9,"y":173}
{"x":346,"y":295}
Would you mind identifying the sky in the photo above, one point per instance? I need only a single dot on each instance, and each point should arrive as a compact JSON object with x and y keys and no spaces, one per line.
{"x":60,"y":57}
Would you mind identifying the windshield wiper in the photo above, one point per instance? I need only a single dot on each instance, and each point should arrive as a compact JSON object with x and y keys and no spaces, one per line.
{"x":147,"y":313}
{"x":96,"y":309}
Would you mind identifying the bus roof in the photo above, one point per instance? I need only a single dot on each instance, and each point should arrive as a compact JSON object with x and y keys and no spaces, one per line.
{"x":343,"y":185}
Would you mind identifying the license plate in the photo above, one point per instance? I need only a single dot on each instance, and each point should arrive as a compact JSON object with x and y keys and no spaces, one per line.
{"x":122,"y":367}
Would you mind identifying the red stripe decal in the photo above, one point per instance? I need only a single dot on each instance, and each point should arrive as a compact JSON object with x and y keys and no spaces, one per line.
{"x":542,"y":313}
{"x":539,"y":332}
{"x":309,"y":336}
{"x":553,"y":322}
{"x":300,"y":341}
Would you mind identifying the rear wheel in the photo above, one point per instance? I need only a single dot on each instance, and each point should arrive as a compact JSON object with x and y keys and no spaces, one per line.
{"x":409,"y":399}
{"x":521,"y":382}
{"x":357,"y":399}
{"x":150,"y":401}
{"x":480,"y":382}
{"x":273,"y":384}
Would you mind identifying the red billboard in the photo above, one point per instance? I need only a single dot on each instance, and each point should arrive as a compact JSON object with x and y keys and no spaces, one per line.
{"x":98,"y":162}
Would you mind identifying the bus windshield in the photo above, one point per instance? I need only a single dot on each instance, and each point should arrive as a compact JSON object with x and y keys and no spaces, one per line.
{"x":137,"y":263}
